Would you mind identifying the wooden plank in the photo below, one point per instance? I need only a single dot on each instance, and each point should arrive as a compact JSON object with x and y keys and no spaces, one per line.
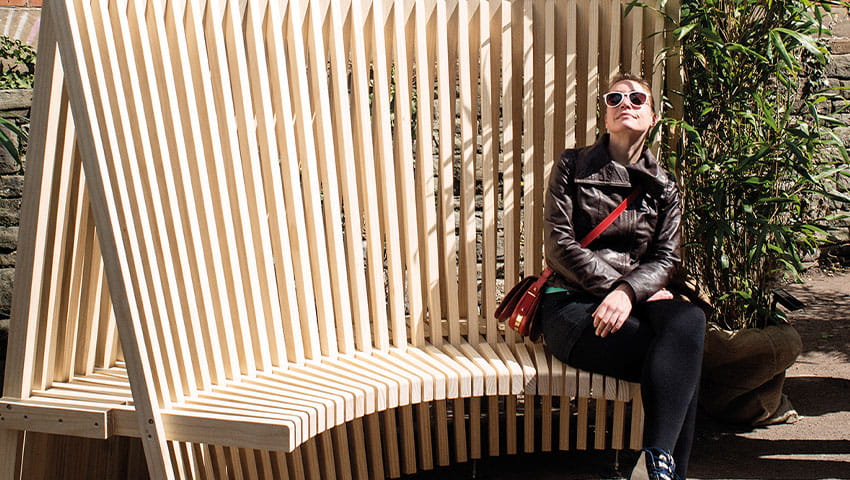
{"x":619,"y":426}
{"x":546,"y":423}
{"x":511,"y":148}
{"x":365,"y":157}
{"x":82,"y":97}
{"x":531,"y":256}
{"x":374,"y":447}
{"x":581,"y":428}
{"x":632,"y":35}
{"x":460,"y":430}
{"x":89,"y":423}
{"x":528,"y":415}
{"x":474,"y":428}
{"x":341,"y":455}
{"x":636,"y":430}
{"x":306,"y":152}
{"x":408,"y":440}
{"x":355,"y":430}
{"x":601,"y":423}
{"x":493,"y":413}
{"x":441,"y":421}
{"x":423,"y":430}
{"x":564,"y":416}
{"x":347,"y":176}
{"x":326,"y":456}
{"x":487,"y":374}
{"x":510,"y":425}
{"x":446,"y":203}
{"x":392,"y":458}
{"x":47,"y":127}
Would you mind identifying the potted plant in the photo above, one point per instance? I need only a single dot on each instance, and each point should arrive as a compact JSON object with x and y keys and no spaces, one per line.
{"x":759,"y":168}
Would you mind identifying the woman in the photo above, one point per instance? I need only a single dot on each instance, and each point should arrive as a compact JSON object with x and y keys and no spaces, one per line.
{"x":606,"y":309}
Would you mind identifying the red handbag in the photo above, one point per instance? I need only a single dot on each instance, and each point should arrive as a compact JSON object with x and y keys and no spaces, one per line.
{"x":519,"y":306}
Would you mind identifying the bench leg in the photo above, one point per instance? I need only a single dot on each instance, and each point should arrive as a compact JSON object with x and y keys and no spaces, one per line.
{"x":11,"y":449}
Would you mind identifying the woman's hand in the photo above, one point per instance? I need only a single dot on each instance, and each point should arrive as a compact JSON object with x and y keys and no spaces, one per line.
{"x":613,"y":311}
{"x":662,"y":294}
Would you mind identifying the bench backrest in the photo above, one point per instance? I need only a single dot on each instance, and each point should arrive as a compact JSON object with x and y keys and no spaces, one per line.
{"x":272,"y":182}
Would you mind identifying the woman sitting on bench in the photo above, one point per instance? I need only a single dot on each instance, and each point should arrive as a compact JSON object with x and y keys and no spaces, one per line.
{"x":606,"y":309}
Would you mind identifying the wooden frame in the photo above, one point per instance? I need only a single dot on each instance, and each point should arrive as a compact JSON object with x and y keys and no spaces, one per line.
{"x":267,"y":238}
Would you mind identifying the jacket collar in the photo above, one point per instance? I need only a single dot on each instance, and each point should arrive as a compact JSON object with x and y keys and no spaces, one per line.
{"x":595,"y":166}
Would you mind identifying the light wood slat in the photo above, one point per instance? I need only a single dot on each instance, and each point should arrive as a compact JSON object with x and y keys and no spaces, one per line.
{"x":429,"y":379}
{"x":601,"y":423}
{"x":528,"y":414}
{"x":88,"y":333}
{"x":160,"y":180}
{"x":204,"y":60}
{"x":468,"y":132}
{"x":460,"y":430}
{"x":355,"y":429}
{"x":511,"y":148}
{"x":399,"y":57}
{"x":283,"y":289}
{"x":476,"y":375}
{"x":564,"y":416}
{"x":441,"y":422}
{"x":306,"y":143}
{"x":209,"y":271}
{"x":423,"y":13}
{"x":510,"y":425}
{"x":632,"y":35}
{"x":493,"y":425}
{"x":490,"y":43}
{"x":303,"y":329}
{"x":531,"y":257}
{"x":568,"y":16}
{"x":364,"y":153}
{"x":446,"y":203}
{"x":546,"y":423}
{"x":392,"y":459}
{"x":586,"y":71}
{"x":326,"y":456}
{"x":407,"y":440}
{"x":375,"y":450}
{"x":105,"y":354}
{"x":581,"y":428}
{"x":329,"y":181}
{"x":426,"y":449}
{"x":610,"y":27}
{"x":475,"y":422}
{"x":619,"y":426}
{"x":386,"y":177}
{"x":341,"y":455}
{"x":82,"y":235}
{"x":149,"y":197}
{"x":552,"y":145}
{"x":597,"y":385}
{"x":60,"y":271}
{"x":48,"y":125}
{"x":636,"y":430}
{"x":653,"y":72}
{"x":255,"y":227}
{"x":82,"y":95}
{"x":347,"y":175}
{"x":488,"y":372}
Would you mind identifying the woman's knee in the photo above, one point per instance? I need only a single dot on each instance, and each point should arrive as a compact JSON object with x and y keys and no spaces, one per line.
{"x":682,"y":319}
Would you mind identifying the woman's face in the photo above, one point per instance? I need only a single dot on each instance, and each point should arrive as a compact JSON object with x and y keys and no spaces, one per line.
{"x":627,"y":117}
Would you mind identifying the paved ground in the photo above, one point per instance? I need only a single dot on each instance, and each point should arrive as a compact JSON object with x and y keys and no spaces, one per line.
{"x":816,"y":447}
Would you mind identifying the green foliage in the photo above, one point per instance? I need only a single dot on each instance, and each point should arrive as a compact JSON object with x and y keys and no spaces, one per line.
{"x":754,"y":154}
{"x":20,"y":135}
{"x":17,"y":64}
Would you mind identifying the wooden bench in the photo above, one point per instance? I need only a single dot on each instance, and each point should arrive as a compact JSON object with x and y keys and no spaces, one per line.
{"x":252,"y":241}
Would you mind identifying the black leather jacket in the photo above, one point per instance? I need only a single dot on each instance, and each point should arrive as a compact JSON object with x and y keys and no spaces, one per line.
{"x":641,"y":248}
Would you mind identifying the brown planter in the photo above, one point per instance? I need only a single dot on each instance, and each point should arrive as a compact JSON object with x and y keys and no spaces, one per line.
{"x":744,"y":371}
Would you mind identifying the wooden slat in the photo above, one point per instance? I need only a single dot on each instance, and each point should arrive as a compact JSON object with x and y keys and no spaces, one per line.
{"x":82,"y":97}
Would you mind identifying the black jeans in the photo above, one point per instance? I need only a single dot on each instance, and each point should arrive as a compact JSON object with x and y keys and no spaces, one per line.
{"x":660,"y":346}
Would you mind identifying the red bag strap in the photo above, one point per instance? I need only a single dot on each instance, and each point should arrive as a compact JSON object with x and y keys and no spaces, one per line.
{"x":604,"y":224}
{"x":590,"y":237}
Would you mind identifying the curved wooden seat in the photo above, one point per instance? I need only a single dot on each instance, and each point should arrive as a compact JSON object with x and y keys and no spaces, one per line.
{"x":250,"y":242}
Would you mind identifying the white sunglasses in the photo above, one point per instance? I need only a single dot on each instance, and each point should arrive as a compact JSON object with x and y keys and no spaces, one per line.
{"x":636,"y":98}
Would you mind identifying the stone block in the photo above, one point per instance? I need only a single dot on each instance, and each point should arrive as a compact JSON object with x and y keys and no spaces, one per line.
{"x":843,"y":133}
{"x":8,"y":259}
{"x":8,"y":239}
{"x":10,"y":212}
{"x":7,"y":281}
{"x":18,"y":99}
{"x":839,"y":67}
{"x":11,"y":186}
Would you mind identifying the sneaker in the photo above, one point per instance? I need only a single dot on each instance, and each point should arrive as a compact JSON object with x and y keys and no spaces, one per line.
{"x":654,"y":464}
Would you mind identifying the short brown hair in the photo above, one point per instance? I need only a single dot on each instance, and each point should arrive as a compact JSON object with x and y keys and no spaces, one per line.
{"x":626,"y":76}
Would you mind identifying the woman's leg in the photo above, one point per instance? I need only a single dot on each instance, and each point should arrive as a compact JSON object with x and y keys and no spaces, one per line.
{"x":663,"y":352}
